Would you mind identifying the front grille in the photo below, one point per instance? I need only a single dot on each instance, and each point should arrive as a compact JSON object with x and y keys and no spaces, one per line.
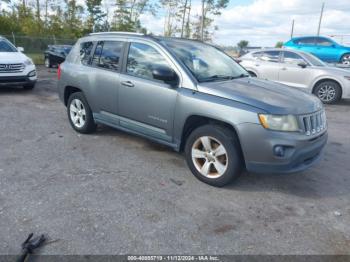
{"x":11,"y":68}
{"x":314,"y":123}
{"x":13,"y":79}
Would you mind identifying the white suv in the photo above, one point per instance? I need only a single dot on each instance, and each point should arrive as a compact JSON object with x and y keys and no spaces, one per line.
{"x":15,"y":67}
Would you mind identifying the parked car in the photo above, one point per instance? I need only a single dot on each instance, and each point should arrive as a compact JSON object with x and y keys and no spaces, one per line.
{"x":194,"y":98}
{"x":322,"y":47}
{"x":15,"y":67}
{"x":300,"y":70}
{"x":56,"y":54}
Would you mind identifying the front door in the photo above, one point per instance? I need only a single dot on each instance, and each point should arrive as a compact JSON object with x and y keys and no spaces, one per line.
{"x":292,"y":74}
{"x":146,"y":105}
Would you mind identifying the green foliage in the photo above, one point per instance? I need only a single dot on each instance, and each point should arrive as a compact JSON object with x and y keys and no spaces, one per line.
{"x":279,"y":44}
{"x":96,"y":15}
{"x":242,"y":44}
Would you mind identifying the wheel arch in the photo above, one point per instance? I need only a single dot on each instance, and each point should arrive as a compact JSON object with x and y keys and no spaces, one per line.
{"x":68,"y":90}
{"x":342,"y":55}
{"x":194,"y":121}
{"x":319,"y":81}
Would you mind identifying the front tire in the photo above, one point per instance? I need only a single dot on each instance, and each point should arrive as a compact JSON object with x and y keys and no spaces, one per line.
{"x":80,"y":114}
{"x":329,"y":92}
{"x":345,"y":59}
{"x":213,"y":155}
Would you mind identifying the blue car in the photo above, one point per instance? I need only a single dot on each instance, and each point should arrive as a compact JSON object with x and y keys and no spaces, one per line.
{"x":324,"y":48}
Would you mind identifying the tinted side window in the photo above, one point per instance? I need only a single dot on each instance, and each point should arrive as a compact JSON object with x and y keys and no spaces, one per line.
{"x":85,"y":52}
{"x":324,"y":42}
{"x":142,"y":59}
{"x":306,"y":41}
{"x":292,"y":58}
{"x":107,"y":55}
{"x":270,"y":56}
{"x":257,"y":54}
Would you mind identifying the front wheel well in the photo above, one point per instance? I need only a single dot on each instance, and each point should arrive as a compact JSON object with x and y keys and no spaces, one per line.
{"x":196,"y":121}
{"x":326,"y":80}
{"x":68,"y":91}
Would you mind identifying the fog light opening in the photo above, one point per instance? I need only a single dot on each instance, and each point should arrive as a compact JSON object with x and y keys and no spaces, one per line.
{"x":279,"y":151}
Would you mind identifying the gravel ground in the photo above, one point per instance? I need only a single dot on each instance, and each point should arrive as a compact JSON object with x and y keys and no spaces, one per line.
{"x":114,"y":193}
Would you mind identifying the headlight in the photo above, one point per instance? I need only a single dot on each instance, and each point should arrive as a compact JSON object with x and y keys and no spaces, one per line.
{"x":28,"y":62}
{"x":347,"y":77}
{"x":279,"y":122}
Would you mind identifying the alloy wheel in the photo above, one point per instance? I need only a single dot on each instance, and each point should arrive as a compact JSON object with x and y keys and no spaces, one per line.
{"x":77,"y":113}
{"x":346,"y":60}
{"x":209,"y":157}
{"x":327,"y":93}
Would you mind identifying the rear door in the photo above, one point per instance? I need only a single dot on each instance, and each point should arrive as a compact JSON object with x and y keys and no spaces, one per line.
{"x":106,"y":64}
{"x":267,"y":65}
{"x":292,"y":74}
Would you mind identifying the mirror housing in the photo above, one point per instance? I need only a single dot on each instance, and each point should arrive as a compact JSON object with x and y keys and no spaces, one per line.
{"x":302,"y":64}
{"x":20,"y":49}
{"x":165,"y":74}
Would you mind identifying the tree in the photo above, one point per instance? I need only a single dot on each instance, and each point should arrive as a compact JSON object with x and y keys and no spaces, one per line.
{"x":279,"y":44}
{"x":72,"y":18}
{"x":170,"y":21}
{"x":210,"y":7}
{"x":242,"y":44}
{"x":95,"y":15}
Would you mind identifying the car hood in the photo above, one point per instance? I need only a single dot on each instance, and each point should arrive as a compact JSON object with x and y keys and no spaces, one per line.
{"x":331,"y":69}
{"x":12,"y":57}
{"x":273,"y":98}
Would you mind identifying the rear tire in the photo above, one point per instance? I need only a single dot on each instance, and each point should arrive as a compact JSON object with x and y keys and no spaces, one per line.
{"x":345,"y":59}
{"x":329,"y":92}
{"x":80,"y":114}
{"x":213,"y":155}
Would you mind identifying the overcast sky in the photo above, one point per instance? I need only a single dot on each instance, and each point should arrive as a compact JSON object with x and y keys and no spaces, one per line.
{"x":264,"y":22}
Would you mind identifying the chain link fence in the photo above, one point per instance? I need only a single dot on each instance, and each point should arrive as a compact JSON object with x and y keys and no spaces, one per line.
{"x":34,"y":46}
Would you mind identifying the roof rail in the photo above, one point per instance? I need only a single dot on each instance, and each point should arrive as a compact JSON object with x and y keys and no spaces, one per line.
{"x":116,"y":33}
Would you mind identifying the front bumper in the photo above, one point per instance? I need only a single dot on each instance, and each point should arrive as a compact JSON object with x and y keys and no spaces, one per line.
{"x":17,"y":80}
{"x":301,"y":152}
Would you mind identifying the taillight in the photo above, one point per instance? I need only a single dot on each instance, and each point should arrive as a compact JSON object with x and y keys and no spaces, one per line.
{"x":59,"y":72}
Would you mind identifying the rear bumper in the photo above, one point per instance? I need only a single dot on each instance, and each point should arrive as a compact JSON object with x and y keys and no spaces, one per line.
{"x":301,"y":152}
{"x":16,"y":80}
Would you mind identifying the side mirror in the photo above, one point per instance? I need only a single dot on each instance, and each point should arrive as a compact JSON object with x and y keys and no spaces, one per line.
{"x":302,"y":64}
{"x":165,"y":74}
{"x":20,"y":49}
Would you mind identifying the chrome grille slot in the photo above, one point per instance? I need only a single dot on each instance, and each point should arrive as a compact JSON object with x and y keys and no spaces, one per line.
{"x":11,"y":68}
{"x":314,"y":123}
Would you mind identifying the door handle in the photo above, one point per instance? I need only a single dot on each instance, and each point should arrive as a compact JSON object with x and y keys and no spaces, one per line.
{"x":257,"y":64}
{"x":128,"y":84}
{"x":284,"y":69}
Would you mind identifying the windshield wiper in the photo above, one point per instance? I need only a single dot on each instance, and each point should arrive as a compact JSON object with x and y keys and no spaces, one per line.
{"x":221,"y":77}
{"x":240,"y":76}
{"x":215,"y":78}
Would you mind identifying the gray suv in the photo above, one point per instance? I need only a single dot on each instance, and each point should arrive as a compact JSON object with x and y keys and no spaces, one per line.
{"x":194,"y":98}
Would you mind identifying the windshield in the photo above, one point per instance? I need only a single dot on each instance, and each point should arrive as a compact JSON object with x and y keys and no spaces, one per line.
{"x":313,"y":60}
{"x":6,"y":46}
{"x":65,"y":50}
{"x":205,"y":62}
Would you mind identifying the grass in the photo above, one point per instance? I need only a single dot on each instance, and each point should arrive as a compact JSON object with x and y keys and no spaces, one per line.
{"x":38,"y":58}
